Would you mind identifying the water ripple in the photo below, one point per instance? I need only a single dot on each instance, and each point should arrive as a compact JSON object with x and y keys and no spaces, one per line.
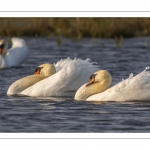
{"x":25,"y":114}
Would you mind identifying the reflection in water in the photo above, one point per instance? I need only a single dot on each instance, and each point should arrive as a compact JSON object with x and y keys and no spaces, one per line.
{"x":59,"y":114}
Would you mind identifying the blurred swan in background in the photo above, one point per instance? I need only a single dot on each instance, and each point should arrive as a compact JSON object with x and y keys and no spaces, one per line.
{"x":133,"y":88}
{"x":14,"y":56}
{"x":60,"y":79}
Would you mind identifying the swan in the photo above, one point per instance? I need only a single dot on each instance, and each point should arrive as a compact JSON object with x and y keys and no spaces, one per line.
{"x":99,"y":89}
{"x":67,"y":76}
{"x":41,"y":72}
{"x":14,"y":56}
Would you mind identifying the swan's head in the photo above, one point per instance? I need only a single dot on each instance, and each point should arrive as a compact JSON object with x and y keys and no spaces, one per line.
{"x":101,"y":76}
{"x":45,"y":69}
{"x":99,"y":82}
{"x":3,"y":47}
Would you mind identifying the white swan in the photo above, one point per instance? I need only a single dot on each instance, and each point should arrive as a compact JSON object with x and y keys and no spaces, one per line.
{"x":41,"y":72}
{"x":70,"y":75}
{"x":133,"y":88}
{"x":14,"y":56}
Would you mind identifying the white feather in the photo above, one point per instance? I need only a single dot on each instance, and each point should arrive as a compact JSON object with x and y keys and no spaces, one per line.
{"x":16,"y":55}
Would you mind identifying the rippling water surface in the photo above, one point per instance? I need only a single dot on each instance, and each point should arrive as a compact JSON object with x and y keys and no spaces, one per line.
{"x":25,"y":114}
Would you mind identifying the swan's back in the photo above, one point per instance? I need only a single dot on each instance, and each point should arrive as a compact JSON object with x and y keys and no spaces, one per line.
{"x":133,"y":88}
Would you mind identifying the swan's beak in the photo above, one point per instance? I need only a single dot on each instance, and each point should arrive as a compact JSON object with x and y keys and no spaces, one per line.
{"x":1,"y":48}
{"x":1,"y":51}
{"x":91,"y":81}
{"x":37,"y":72}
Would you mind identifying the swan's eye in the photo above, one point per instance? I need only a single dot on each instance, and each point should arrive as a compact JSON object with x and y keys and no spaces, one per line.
{"x":93,"y":76}
{"x":38,"y":70}
{"x":2,"y":46}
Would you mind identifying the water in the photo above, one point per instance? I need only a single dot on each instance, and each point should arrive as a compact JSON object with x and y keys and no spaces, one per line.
{"x":25,"y":114}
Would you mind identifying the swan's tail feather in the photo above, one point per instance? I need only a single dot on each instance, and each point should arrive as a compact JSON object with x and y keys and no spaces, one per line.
{"x":76,"y":61}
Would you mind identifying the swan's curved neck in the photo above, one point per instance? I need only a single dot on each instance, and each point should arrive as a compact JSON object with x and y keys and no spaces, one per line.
{"x":21,"y":84}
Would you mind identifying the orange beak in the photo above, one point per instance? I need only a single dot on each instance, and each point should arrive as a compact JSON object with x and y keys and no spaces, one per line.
{"x":1,"y":51}
{"x":91,"y":81}
{"x":37,"y":72}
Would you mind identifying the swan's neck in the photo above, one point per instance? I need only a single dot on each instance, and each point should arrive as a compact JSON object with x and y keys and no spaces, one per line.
{"x":21,"y":84}
{"x":85,"y":91}
{"x":4,"y":51}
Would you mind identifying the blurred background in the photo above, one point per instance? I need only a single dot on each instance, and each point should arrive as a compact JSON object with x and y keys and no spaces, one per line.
{"x":75,"y":27}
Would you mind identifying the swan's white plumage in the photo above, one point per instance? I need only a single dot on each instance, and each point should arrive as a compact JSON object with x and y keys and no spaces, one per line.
{"x":133,"y":88}
{"x":16,"y":55}
{"x":70,"y":75}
